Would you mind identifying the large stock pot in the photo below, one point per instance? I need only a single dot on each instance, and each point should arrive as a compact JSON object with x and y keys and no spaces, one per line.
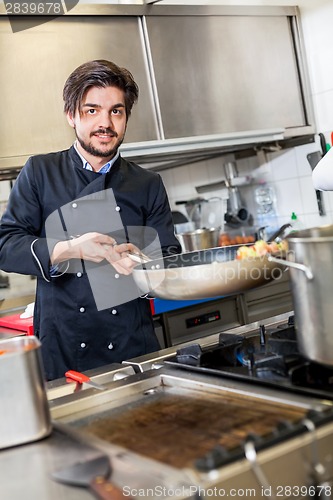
{"x":310,"y":260}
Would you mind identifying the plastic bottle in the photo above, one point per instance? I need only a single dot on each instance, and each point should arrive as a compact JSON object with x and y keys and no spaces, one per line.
{"x":266,"y":214}
{"x":296,"y":224}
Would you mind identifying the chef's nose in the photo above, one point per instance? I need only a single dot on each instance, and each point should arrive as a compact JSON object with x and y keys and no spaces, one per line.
{"x":106,"y":120}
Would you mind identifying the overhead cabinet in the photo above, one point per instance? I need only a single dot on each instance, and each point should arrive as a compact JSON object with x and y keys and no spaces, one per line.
{"x":35,"y":65}
{"x":220,"y":74}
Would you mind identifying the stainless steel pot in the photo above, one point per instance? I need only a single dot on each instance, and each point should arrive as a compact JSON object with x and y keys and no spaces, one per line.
{"x":200,"y":239}
{"x":24,"y":415}
{"x":310,"y":260}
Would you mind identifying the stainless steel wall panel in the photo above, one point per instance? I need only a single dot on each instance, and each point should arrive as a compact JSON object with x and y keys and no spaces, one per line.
{"x":35,"y":64}
{"x":218,"y":74}
{"x":228,"y":72}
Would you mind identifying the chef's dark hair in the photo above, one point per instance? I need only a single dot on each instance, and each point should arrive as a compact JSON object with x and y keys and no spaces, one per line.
{"x":98,"y":73}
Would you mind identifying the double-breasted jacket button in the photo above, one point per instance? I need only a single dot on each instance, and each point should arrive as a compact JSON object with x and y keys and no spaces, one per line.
{"x":82,"y":309}
{"x":117,"y":208}
{"x":114,"y":311}
{"x":74,"y":205}
{"x":110,"y":346}
{"x":117,"y":276}
{"x":79,"y":275}
{"x":83,"y":345}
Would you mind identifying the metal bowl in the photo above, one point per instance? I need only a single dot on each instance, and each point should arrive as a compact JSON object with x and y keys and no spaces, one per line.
{"x":25,"y":414}
{"x":200,"y":239}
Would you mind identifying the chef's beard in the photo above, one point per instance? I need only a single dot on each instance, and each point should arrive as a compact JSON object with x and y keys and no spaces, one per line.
{"x":109,"y":153}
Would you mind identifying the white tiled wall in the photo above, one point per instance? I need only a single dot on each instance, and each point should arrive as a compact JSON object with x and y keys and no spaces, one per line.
{"x":288,"y":171}
{"x":317,"y":20}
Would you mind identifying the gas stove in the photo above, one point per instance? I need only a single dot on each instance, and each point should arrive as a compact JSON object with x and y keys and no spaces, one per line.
{"x":268,"y":356}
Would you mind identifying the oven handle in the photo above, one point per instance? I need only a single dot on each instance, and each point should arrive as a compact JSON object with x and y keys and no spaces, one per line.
{"x":251,"y":456}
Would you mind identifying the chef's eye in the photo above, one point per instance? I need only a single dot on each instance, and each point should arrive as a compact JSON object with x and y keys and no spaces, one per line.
{"x":91,"y":111}
{"x":117,"y":111}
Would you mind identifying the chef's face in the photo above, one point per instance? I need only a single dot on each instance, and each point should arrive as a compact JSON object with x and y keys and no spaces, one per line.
{"x":101,"y":123}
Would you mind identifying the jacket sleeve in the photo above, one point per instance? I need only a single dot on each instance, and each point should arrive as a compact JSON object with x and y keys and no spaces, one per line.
{"x":322,"y":176}
{"x":23,"y":247}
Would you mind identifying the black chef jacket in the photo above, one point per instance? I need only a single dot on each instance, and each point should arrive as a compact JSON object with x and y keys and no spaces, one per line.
{"x":74,"y":334}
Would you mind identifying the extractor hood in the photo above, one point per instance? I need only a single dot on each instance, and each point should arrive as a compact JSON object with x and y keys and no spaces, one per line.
{"x":171,"y":153}
{"x":199,"y":144}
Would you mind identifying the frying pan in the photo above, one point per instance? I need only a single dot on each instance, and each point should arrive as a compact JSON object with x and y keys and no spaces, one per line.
{"x":204,"y":274}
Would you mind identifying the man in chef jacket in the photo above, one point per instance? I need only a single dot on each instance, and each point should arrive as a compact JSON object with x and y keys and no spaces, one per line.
{"x":73,"y":216}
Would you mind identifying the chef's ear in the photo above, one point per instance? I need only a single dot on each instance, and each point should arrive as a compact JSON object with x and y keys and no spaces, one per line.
{"x":70,"y":119}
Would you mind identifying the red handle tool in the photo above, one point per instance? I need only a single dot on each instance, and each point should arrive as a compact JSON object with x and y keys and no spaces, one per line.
{"x":82,"y":378}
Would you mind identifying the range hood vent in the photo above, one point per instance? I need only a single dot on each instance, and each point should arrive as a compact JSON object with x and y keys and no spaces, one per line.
{"x":198,"y":144}
{"x":171,"y":153}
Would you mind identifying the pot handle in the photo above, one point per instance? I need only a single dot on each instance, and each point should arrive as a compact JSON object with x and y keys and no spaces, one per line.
{"x":295,"y":265}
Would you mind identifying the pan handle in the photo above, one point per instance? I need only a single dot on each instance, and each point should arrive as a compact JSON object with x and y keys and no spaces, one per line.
{"x":105,"y":490}
{"x":295,"y":265}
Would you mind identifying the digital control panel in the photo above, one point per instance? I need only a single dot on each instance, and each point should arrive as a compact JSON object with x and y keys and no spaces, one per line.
{"x":203,"y":319}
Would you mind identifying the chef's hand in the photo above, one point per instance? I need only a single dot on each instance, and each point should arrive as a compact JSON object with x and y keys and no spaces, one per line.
{"x":96,"y":247}
{"x":118,"y":257}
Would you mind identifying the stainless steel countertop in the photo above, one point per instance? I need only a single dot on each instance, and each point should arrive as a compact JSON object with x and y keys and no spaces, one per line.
{"x":25,"y":470}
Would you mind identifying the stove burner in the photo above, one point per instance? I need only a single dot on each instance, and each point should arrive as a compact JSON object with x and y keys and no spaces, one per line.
{"x":269,"y":357}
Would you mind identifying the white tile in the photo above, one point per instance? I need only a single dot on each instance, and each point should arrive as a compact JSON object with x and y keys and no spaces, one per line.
{"x":316,"y":20}
{"x":321,"y":72}
{"x":323,"y":107}
{"x":168,"y":178}
{"x":182,"y":189}
{"x":288,"y":197}
{"x":214,"y":170}
{"x":308,"y":196}
{"x":199,"y":173}
{"x":328,"y":200}
{"x":4,"y":190}
{"x":283,"y":165}
{"x":315,"y":220}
